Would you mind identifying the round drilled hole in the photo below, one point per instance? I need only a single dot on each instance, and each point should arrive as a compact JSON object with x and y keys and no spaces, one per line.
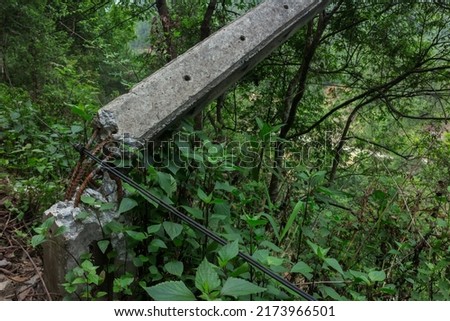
{"x":286,"y":6}
{"x":187,"y":78}
{"x":242,"y":38}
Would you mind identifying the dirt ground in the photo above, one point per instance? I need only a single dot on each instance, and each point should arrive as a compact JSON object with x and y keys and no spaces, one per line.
{"x":20,"y":264}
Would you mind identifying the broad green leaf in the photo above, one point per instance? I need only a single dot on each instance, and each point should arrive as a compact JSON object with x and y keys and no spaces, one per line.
{"x":238,"y":287}
{"x":172,"y":229}
{"x":76,"y":129}
{"x":330,"y":292}
{"x":60,"y":230}
{"x":126,"y":205}
{"x":319,"y":251}
{"x":114,"y":227}
{"x":228,"y":252}
{"x":88,"y":266}
{"x":167,"y":183}
{"x":86,"y":199}
{"x":195,"y":212}
{"x":261,"y":255}
{"x":82,"y":215}
{"x":292,"y":219}
{"x":317,"y":178}
{"x":360,"y":276}
{"x":152,"y":229}
{"x":156,"y":244}
{"x":389,"y":289}
{"x":276,"y":261}
{"x":170,"y":291}
{"x":377,"y":276}
{"x":271,"y":246}
{"x":138,"y":236}
{"x":37,"y":239}
{"x":202,"y":195}
{"x":103,"y":245}
{"x":274,"y":224}
{"x":107,"y":206}
{"x":174,"y":267}
{"x":313,"y":246}
{"x":206,"y":279}
{"x":335,"y":265}
{"x":80,"y":111}
{"x":222,"y":208}
{"x":255,"y":221}
{"x":225,"y":186}
{"x":303,"y":268}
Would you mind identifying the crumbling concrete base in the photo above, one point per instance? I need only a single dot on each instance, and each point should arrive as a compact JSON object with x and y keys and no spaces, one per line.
{"x":62,"y":252}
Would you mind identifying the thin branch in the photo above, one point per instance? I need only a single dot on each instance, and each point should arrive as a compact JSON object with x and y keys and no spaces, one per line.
{"x":35,"y":268}
{"x":205,"y":28}
{"x":380,"y":146}
{"x":399,"y":113}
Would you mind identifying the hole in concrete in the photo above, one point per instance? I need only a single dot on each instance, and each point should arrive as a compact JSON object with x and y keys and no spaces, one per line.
{"x":242,"y":38}
{"x":187,"y":78}
{"x":286,"y":6}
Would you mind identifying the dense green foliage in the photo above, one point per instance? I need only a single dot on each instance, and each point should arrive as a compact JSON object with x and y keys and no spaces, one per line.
{"x":328,"y":163}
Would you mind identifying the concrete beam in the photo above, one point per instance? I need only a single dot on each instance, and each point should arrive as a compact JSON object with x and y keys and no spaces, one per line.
{"x":205,"y":71}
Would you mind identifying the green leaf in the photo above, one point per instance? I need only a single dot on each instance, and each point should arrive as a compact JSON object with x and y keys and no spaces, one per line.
{"x":360,"y":276}
{"x":167,"y":183}
{"x":313,"y":246}
{"x":225,"y":186}
{"x":377,"y":276}
{"x":138,"y":236}
{"x":195,"y":212}
{"x":156,"y":244}
{"x":114,"y":227}
{"x":275,"y":261}
{"x":271,"y":246}
{"x":174,"y":267}
{"x":107,"y":206}
{"x":152,"y":229}
{"x":75,"y":129}
{"x":103,"y":245}
{"x":302,"y":268}
{"x":319,"y":251}
{"x":274,"y":224}
{"x":202,"y":195}
{"x":86,"y":199}
{"x":172,"y":229}
{"x":60,"y":230}
{"x":389,"y":289}
{"x":170,"y":291}
{"x":291,"y":219}
{"x":206,"y":279}
{"x":82,"y":215}
{"x":261,"y":256}
{"x":37,"y":239}
{"x":327,"y":291}
{"x":317,"y":178}
{"x":335,"y":265}
{"x":238,"y":287}
{"x":80,"y":111}
{"x":126,"y":205}
{"x":228,"y":252}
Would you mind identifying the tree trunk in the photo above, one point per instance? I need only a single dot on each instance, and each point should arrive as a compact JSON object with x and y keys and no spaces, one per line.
{"x":205,"y":32}
{"x":167,"y":24}
{"x":294,"y":95}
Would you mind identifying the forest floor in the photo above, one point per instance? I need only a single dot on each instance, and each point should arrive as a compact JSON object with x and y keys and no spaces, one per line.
{"x":21,"y":268}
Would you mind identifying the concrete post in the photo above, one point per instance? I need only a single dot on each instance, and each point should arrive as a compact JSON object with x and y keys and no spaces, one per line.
{"x":205,"y":71}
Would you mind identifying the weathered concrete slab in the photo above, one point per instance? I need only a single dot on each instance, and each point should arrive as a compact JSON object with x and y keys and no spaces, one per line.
{"x":205,"y":71}
{"x":61,"y":251}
